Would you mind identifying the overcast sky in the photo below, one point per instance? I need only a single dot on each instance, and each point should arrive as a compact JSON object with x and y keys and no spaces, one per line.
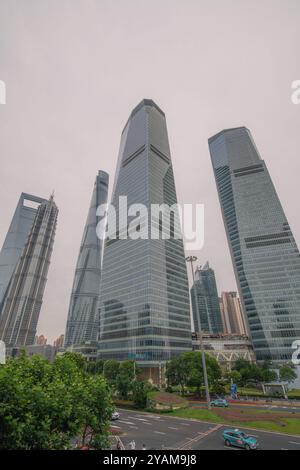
{"x":74,"y":69}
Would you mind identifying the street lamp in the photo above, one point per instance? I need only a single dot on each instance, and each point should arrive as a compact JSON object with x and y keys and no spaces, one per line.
{"x":191,"y":260}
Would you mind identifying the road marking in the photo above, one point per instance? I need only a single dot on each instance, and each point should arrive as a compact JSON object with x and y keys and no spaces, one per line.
{"x":133,"y":427}
{"x":200,"y":437}
{"x":294,"y":442}
{"x":125,"y":422}
{"x":138,"y":419}
{"x":158,"y":432}
{"x":185,"y":424}
{"x":170,"y":427}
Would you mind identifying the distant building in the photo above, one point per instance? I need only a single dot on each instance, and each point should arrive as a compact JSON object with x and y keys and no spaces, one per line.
{"x":233,"y":318}
{"x":23,"y":299}
{"x":88,"y":349}
{"x":16,"y":238}
{"x":41,"y":340}
{"x":205,"y":301}
{"x":45,"y":350}
{"x":59,"y":342}
{"x":226,"y":348}
{"x":83,"y":315}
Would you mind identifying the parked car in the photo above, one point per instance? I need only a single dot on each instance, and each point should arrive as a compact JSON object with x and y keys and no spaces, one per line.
{"x":237,"y":438}
{"x":221,"y":402}
{"x":115,"y":415}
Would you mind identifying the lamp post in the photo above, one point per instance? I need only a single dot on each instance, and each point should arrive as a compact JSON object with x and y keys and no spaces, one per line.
{"x":191,"y":260}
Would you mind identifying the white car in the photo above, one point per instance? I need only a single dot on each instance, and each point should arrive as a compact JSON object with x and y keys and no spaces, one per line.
{"x":115,"y":416}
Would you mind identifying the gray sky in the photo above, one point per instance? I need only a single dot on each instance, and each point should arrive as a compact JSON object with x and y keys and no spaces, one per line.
{"x":74,"y":69}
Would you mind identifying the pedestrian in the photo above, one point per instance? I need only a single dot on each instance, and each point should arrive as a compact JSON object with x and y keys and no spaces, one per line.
{"x":143,"y":447}
{"x":119,"y":445}
{"x":132,"y":444}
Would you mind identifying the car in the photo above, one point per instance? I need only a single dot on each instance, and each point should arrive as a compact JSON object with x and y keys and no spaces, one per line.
{"x":221,"y":402}
{"x":237,"y":438}
{"x":115,"y":416}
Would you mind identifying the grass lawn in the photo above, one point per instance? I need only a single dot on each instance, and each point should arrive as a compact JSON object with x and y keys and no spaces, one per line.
{"x":291,"y":425}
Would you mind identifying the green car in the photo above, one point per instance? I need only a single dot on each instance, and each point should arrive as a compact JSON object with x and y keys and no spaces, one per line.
{"x":221,"y":402}
{"x":237,"y":438}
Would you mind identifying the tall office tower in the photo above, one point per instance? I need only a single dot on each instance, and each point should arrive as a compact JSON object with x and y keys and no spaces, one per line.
{"x":205,"y":301}
{"x":16,"y":238}
{"x":264,"y":253}
{"x":23,"y":300}
{"x":83,"y":317}
{"x":144,"y":290}
{"x":232,"y":314}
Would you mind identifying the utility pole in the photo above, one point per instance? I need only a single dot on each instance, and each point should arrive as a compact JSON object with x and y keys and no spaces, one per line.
{"x":191,"y":260}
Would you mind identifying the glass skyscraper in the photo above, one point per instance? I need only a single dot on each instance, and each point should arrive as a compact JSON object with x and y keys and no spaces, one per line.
{"x":83,"y":318}
{"x":16,"y":238}
{"x":264,"y":253}
{"x":144,"y":300}
{"x":24,"y":296}
{"x":206,"y":307}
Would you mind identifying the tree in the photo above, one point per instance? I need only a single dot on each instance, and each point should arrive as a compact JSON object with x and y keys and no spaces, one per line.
{"x":95,"y":367}
{"x":187,"y":370}
{"x":177,"y":372}
{"x":44,"y":406}
{"x":287,"y":374}
{"x":125,"y":377}
{"x":111,"y":370}
{"x":140,"y":391}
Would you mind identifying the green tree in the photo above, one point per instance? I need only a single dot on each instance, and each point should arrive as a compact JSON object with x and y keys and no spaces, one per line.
{"x":111,"y":369}
{"x":177,"y":372}
{"x":287,"y":374}
{"x":140,"y":391}
{"x":44,"y":406}
{"x":125,"y":378}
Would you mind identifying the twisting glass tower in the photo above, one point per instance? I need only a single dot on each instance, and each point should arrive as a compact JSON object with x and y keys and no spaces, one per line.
{"x":83,"y":322}
{"x":23,"y":299}
{"x":264,"y":252}
{"x":144,"y":301}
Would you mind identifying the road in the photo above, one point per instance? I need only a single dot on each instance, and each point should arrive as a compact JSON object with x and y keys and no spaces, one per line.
{"x":262,"y":407}
{"x":166,"y":432}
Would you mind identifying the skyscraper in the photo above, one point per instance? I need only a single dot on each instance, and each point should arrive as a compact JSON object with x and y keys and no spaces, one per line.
{"x":83,"y":321}
{"x":206,"y":308}
{"x":23,"y":299}
{"x":232,"y":315}
{"x":144,"y":300}
{"x":16,"y":238}
{"x":264,"y":253}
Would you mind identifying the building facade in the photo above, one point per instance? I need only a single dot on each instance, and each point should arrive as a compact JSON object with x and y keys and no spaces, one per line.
{"x":233,"y":318}
{"x":205,"y":301}
{"x":23,"y":299}
{"x":16,"y":238}
{"x":265,"y":256}
{"x":83,"y":319}
{"x":144,"y":301}
{"x":225,"y":348}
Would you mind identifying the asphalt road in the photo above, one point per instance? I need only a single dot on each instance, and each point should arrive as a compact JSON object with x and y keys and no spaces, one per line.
{"x":164,"y":432}
{"x":282,"y":408}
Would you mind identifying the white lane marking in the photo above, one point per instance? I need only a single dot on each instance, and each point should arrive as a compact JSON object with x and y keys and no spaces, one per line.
{"x":138,"y":419}
{"x":158,"y":432}
{"x":170,"y":427}
{"x":185,"y":424}
{"x":125,"y":422}
{"x":283,"y":448}
{"x":294,"y":442}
